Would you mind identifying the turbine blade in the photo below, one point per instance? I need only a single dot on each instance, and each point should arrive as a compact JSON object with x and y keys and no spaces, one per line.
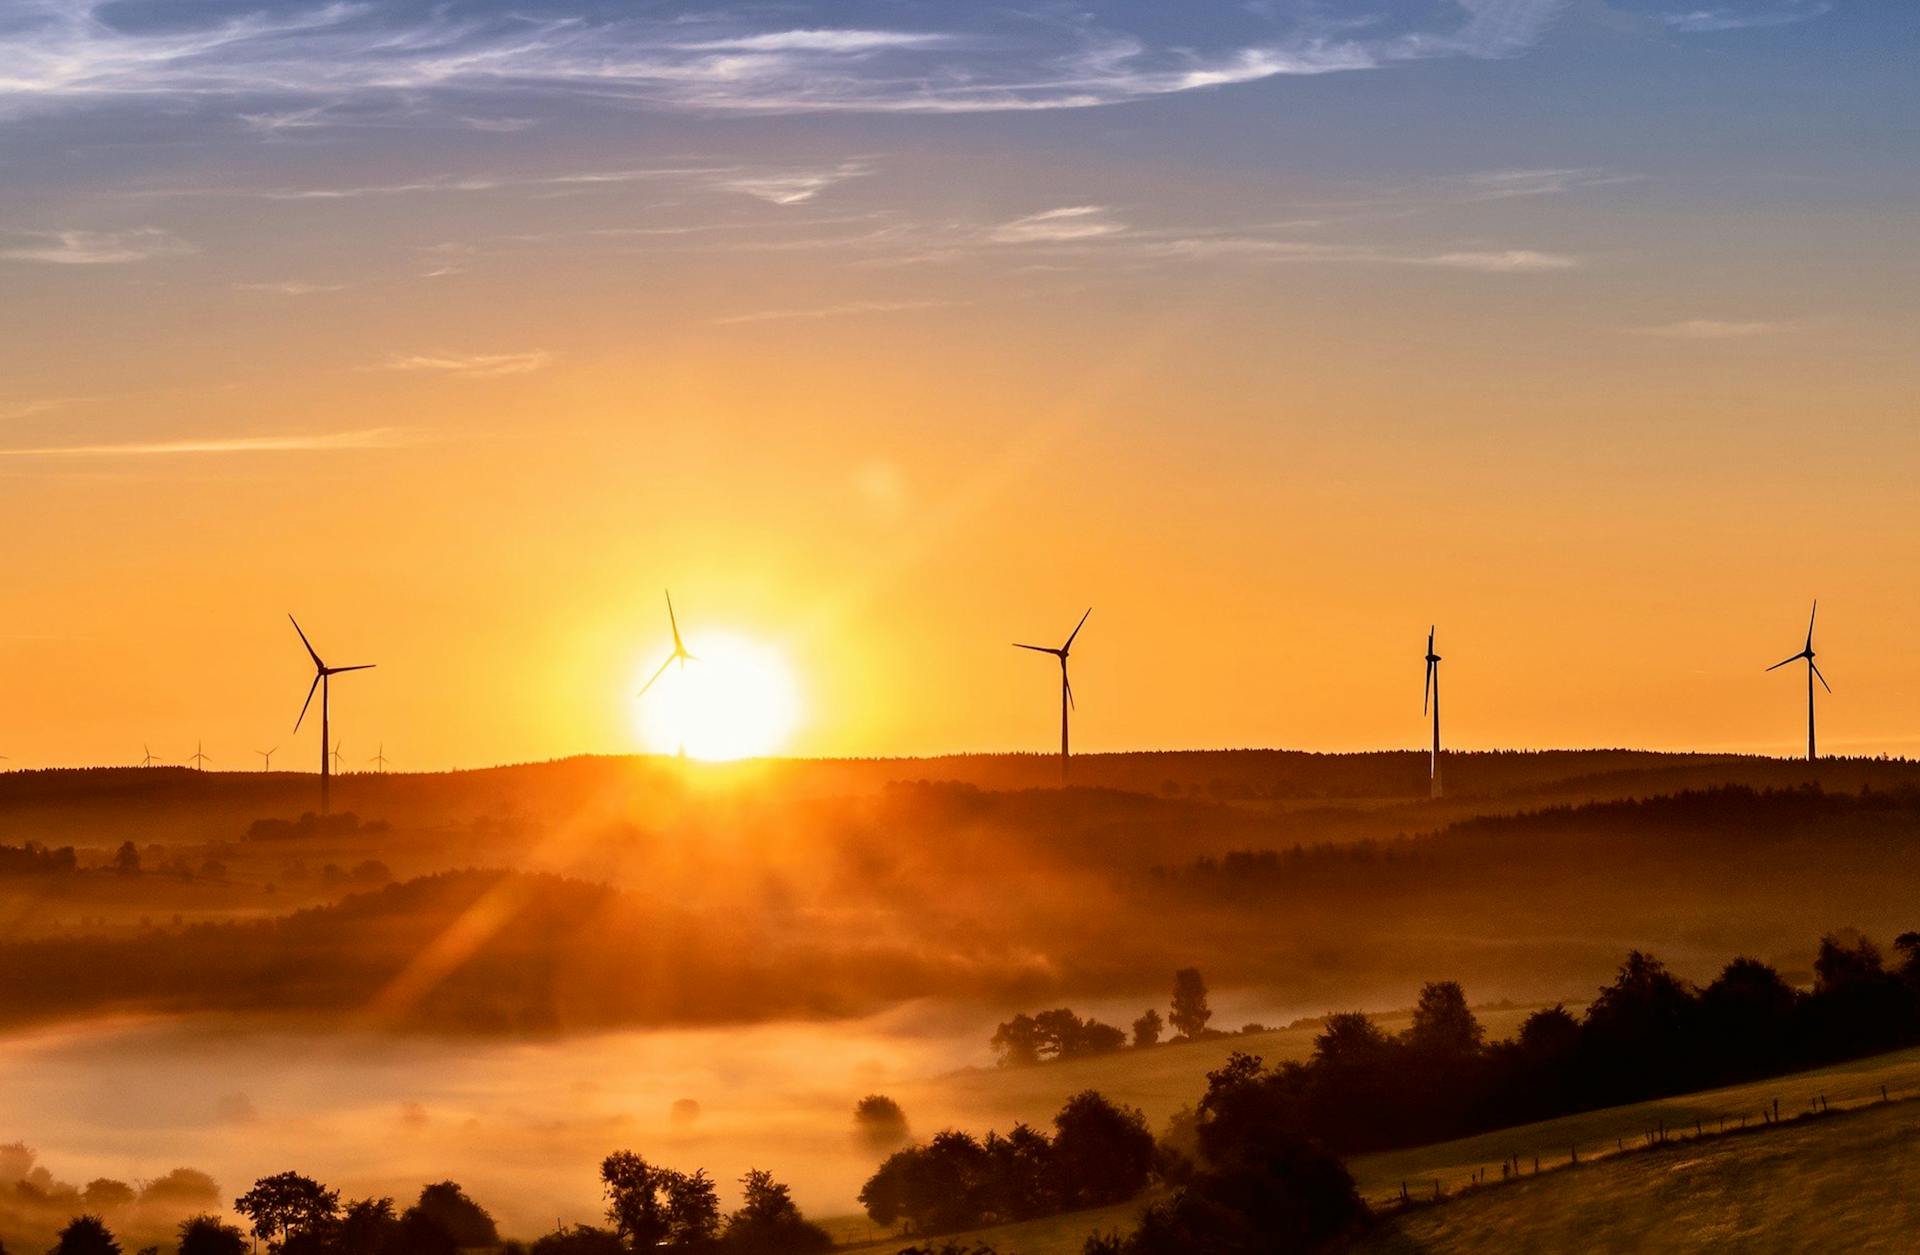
{"x":674,"y":623}
{"x":307,"y":703}
{"x":1821,"y":678}
{"x":1068,"y":684}
{"x":365,"y":666}
{"x":309,"y":644}
{"x":1810,"y":619}
{"x":1038,"y":649}
{"x":1426,"y":690}
{"x":1076,"y":630}
{"x":1784,"y":661}
{"x":654,"y":677}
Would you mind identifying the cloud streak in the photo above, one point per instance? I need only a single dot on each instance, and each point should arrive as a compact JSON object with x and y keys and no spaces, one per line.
{"x":365,"y":438}
{"x":1709,"y":329}
{"x":472,"y":365}
{"x":90,"y":248}
{"x":288,"y":62}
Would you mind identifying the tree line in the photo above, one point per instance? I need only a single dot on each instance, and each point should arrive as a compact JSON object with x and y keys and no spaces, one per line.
{"x":1060,"y":1034}
{"x":1647,"y":1034}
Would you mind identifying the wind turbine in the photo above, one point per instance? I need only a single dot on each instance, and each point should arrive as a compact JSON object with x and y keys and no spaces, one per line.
{"x":1430,"y":697}
{"x":679,"y":655}
{"x":379,"y":760}
{"x":146,"y":759}
{"x":198,"y":759}
{"x":322,"y":677}
{"x":1813,"y":673}
{"x":336,"y":755}
{"x":266,"y":758}
{"x":1066,"y":686}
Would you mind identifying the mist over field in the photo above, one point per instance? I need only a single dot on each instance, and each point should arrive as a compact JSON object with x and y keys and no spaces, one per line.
{"x":502,"y":976}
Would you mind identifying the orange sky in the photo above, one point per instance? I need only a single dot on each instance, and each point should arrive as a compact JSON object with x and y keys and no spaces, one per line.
{"x":1271,"y":377}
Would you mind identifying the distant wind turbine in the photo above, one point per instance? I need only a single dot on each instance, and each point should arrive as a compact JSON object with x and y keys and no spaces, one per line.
{"x":198,"y":759}
{"x":266,"y":758}
{"x":146,"y":759}
{"x":380,"y":760}
{"x":1430,"y":697}
{"x":1066,"y":685}
{"x":679,"y":654}
{"x":1813,"y":673}
{"x":336,"y":756}
{"x":322,"y":677}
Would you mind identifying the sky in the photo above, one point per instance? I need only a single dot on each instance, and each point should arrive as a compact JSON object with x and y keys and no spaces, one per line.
{"x":887,"y":333}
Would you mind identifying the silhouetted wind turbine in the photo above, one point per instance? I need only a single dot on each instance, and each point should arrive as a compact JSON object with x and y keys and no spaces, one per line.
{"x":1813,"y":673}
{"x":198,"y":759}
{"x":336,"y":756}
{"x":379,"y":760}
{"x":266,"y":758}
{"x":1430,"y":697}
{"x":146,"y":759}
{"x":679,"y":655}
{"x":1066,"y":685}
{"x":323,"y":674}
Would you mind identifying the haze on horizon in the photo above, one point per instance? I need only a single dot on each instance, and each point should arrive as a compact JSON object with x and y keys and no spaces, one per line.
{"x":888,"y":334}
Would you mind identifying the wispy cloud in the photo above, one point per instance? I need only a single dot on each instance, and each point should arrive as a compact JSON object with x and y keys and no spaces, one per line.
{"x":472,"y":365}
{"x":90,"y":248}
{"x":794,"y":187}
{"x":1500,"y":261}
{"x":1730,"y":18}
{"x":1055,"y":226}
{"x":365,"y":438}
{"x":841,"y":310}
{"x":1710,"y":329}
{"x":289,"y":63}
{"x":290,"y":287}
{"x":44,"y":405}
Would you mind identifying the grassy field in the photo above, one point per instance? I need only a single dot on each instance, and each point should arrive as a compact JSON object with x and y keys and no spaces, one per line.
{"x":1613,"y":1201}
{"x":1849,"y":1181}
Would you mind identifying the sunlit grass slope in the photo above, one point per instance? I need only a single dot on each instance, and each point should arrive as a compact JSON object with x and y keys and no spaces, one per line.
{"x":1848,"y":1182}
{"x":1794,"y":1173}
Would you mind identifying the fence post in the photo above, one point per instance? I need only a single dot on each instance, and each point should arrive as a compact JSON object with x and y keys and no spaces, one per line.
{"x":1883,"y":1093}
{"x":1576,"y":1153}
{"x":1403,"y":1191}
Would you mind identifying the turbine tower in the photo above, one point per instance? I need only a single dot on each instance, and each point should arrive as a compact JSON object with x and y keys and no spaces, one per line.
{"x":679,"y":655}
{"x":198,"y":759}
{"x":266,"y":758}
{"x":1813,"y":673}
{"x":1066,"y":685}
{"x":1430,"y":697}
{"x":322,"y":677}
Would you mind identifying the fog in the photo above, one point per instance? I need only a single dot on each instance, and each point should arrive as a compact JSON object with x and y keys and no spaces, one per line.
{"x":522,"y":1125}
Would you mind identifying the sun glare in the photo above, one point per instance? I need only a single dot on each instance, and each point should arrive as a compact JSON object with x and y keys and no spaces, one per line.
{"x":735,"y":698}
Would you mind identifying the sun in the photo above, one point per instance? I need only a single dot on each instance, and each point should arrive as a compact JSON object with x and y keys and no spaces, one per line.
{"x":735,"y":698}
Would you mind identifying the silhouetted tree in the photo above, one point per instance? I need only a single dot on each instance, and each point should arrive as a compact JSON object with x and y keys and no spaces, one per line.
{"x":126,"y":859}
{"x":464,"y":1220}
{"x":1102,"y":1153}
{"x":1147,"y":1029}
{"x":1017,"y":1042}
{"x":768,"y":1222}
{"x":881,"y":1123}
{"x":1443,"y":1026}
{"x":657,"y":1207}
{"x":86,"y":1235}
{"x":1022,"y":1179}
{"x":1639,"y":1028}
{"x":1748,"y":1014}
{"x":1190,"y":1011}
{"x":286,"y":1204}
{"x":209,"y":1235}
